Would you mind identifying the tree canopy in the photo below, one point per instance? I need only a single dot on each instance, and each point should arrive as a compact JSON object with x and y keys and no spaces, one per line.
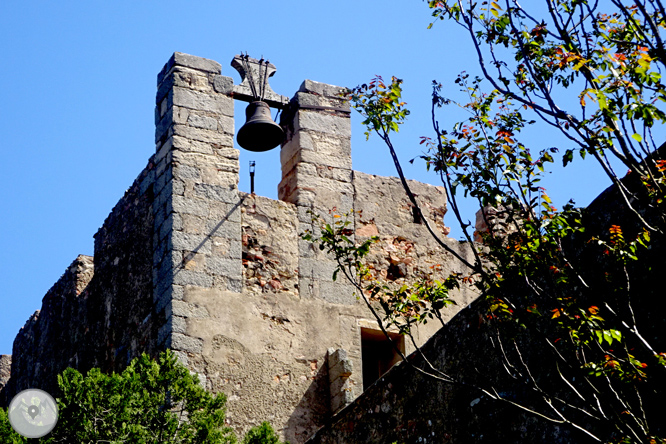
{"x":565,"y":281}
{"x":151,"y":401}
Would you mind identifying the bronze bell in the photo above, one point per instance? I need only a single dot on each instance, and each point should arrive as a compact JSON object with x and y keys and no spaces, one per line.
{"x":260,"y":132}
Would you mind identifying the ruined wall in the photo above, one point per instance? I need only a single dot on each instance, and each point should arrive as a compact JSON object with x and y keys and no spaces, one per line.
{"x":122,"y":319}
{"x":100,"y":313}
{"x":39,"y":353}
{"x":5,"y":370}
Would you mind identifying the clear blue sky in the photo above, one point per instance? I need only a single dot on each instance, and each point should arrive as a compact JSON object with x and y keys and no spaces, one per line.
{"x":77,"y":88}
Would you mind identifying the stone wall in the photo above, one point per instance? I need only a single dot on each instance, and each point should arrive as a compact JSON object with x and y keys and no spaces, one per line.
{"x":186,"y":261}
{"x":39,"y":352}
{"x":5,"y":370}
{"x":100,"y":313}
{"x":406,"y":406}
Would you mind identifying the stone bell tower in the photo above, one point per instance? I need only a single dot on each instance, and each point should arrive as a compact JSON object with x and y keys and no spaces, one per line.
{"x":186,"y":261}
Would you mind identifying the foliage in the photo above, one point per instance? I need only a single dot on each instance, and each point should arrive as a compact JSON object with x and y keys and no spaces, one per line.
{"x":7,"y":434}
{"x":548,"y":277}
{"x":262,"y":434}
{"x":151,"y":401}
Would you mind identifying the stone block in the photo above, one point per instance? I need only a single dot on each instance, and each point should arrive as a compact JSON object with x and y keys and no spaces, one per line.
{"x":227,"y":247}
{"x":163,"y":301}
{"x":320,"y":268}
{"x":323,"y":123}
{"x":194,"y":62}
{"x":180,"y":115}
{"x":322,"y":89}
{"x":235,"y":285}
{"x":340,"y":384}
{"x":203,"y":135}
{"x":342,"y":369}
{"x":166,"y":228}
{"x":182,"y":357}
{"x":197,"y":207}
{"x":186,"y":343}
{"x":232,"y":268}
{"x":198,"y":243}
{"x":336,"y":355}
{"x":342,"y":399}
{"x":212,"y":175}
{"x":189,"y":61}
{"x":160,"y":182}
{"x":179,"y":186}
{"x":191,"y":146}
{"x":163,"y":126}
{"x":204,"y":122}
{"x":337,"y":104}
{"x":178,"y":324}
{"x":223,"y":84}
{"x":339,"y":292}
{"x":147,"y":181}
{"x":223,"y":164}
{"x":188,"y":310}
{"x":181,"y":171}
{"x":221,"y":212}
{"x":216,"y":193}
{"x":193,"y":278}
{"x":316,"y":149}
{"x":202,"y":101}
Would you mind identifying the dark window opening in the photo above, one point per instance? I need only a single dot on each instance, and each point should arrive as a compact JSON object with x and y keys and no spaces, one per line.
{"x":378,"y":354}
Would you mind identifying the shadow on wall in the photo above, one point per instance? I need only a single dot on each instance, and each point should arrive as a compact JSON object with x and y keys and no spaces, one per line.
{"x":312,"y":410}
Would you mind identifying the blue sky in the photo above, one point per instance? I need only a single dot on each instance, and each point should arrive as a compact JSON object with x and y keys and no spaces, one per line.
{"x":77,"y":88}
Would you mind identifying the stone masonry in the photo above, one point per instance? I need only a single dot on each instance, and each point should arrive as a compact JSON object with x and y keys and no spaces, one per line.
{"x":186,"y":261}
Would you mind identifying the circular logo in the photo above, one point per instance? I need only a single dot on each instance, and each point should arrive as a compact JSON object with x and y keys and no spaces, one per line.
{"x":33,"y":413}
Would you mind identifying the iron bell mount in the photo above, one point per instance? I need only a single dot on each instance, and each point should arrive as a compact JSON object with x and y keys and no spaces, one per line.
{"x":260,"y":132}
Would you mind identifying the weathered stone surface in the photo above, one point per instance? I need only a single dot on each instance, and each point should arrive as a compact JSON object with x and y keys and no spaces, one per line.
{"x":187,"y":261}
{"x":223,"y":84}
{"x":406,"y":406}
{"x":190,"y":61}
{"x":5,"y":370}
{"x":321,"y":89}
{"x":196,"y":100}
{"x":186,"y":343}
{"x":323,"y":123}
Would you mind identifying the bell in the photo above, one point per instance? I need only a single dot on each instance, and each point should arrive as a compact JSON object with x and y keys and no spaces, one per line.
{"x":260,"y":132}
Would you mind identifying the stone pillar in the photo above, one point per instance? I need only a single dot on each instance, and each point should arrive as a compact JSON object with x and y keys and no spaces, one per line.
{"x":197,"y":216}
{"x":340,"y":369}
{"x":317,"y":176}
